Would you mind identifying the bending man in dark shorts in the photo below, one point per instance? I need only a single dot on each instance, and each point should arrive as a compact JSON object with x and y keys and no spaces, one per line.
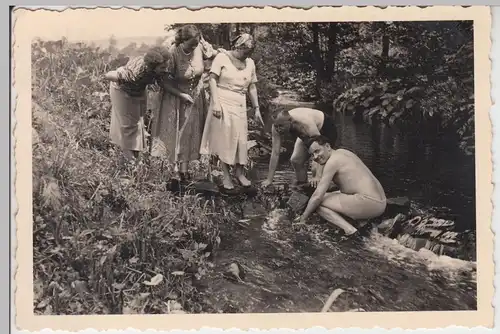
{"x":301,"y":123}
{"x":361,"y":195}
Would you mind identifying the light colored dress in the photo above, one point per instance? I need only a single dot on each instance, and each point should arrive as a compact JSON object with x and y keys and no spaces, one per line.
{"x":227,"y":136}
{"x":128,"y":105}
{"x":184,"y":72}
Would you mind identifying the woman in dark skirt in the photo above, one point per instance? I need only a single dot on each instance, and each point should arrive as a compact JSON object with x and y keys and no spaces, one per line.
{"x":128,"y":99}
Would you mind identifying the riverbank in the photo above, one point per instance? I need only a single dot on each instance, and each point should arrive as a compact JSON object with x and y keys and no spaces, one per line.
{"x":286,"y":270}
{"x":131,"y":247}
{"x":281,"y":269}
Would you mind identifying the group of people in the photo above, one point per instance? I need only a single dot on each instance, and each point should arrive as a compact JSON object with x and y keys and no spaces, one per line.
{"x":188,"y":125}
{"x":360,"y":194}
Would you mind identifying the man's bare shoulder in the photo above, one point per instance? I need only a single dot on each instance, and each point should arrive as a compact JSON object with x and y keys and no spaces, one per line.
{"x":345,"y":154}
{"x":334,"y":159}
{"x":343,"y":151}
{"x":340,"y":153}
{"x":338,"y":158}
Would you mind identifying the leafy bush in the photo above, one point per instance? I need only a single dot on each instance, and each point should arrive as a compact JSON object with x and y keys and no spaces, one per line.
{"x":392,"y":102}
{"x":107,"y":238}
{"x":386,"y":101}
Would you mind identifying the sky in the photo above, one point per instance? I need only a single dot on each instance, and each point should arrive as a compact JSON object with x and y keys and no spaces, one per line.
{"x":98,"y":26}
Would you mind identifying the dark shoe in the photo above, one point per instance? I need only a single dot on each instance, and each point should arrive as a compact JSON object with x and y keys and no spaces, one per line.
{"x":173,"y":185}
{"x":185,"y":177}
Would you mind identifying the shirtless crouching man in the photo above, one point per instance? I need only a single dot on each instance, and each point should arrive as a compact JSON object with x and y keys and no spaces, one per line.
{"x":301,"y":123}
{"x":361,"y":195}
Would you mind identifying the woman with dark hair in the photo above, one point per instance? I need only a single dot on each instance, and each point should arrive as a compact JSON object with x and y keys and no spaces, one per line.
{"x":178,"y":125}
{"x":128,"y":99}
{"x":232,"y":76}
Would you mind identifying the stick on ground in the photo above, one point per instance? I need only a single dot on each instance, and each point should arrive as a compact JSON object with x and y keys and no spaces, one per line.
{"x":335,"y":294}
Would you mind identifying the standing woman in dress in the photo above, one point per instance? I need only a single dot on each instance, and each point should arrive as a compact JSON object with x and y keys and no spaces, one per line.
{"x":182,"y":91}
{"x":128,"y":99}
{"x":232,"y":76}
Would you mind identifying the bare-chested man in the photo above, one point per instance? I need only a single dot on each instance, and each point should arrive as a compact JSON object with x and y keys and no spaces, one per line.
{"x":301,"y":123}
{"x":361,"y":195}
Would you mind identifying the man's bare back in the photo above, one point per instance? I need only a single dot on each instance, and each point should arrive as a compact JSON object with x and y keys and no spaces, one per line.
{"x":301,"y":123}
{"x":352,"y":175}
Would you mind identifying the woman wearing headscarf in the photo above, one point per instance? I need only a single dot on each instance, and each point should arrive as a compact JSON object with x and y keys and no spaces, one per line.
{"x":181,"y":118}
{"x":232,"y":76}
{"x":128,"y":99}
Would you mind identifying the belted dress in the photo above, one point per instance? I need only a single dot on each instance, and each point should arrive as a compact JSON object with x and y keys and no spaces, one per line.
{"x":227,"y":137}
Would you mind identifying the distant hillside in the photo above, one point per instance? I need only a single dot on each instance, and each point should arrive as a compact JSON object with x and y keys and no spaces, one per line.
{"x":125,"y":41}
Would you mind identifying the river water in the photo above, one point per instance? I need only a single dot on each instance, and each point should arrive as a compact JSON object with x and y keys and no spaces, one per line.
{"x":288,"y":270}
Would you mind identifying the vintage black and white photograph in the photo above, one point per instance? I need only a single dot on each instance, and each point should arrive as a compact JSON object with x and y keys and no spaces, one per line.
{"x":246,"y":167}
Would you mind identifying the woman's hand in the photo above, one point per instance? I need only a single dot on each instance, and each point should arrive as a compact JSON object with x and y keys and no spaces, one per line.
{"x":186,"y":97}
{"x":258,"y":116}
{"x":217,"y":110}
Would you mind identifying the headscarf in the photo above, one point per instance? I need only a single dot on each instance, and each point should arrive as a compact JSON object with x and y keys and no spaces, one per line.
{"x":245,"y":41}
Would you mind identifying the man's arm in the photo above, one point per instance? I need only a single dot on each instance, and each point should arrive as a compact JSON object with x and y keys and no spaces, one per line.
{"x":329,"y":171}
{"x":275,"y":153}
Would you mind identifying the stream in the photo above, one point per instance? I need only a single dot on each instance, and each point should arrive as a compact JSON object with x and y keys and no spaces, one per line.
{"x":283,"y":269}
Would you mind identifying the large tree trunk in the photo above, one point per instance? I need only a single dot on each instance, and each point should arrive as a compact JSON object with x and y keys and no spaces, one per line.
{"x":318,"y":63}
{"x":225,"y":36}
{"x":332,"y":50}
{"x":385,"y":51}
{"x":253,"y":31}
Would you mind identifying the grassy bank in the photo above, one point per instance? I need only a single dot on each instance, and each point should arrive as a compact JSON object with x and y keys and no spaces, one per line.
{"x":107,"y":238}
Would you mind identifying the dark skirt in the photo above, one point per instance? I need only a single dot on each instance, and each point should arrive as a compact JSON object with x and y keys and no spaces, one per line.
{"x":127,"y":120}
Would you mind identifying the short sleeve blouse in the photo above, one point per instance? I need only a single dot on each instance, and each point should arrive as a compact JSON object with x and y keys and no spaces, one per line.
{"x":232,"y":77}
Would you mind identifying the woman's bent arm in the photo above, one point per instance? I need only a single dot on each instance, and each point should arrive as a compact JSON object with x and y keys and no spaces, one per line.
{"x":111,"y":76}
{"x":169,"y":87}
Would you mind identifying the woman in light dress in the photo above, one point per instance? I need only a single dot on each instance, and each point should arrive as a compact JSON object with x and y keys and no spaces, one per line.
{"x":128,"y":99}
{"x":184,"y":103}
{"x":232,"y":76}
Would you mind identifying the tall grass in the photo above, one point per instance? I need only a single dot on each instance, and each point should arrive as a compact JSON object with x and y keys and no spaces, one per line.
{"x":107,"y":238}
